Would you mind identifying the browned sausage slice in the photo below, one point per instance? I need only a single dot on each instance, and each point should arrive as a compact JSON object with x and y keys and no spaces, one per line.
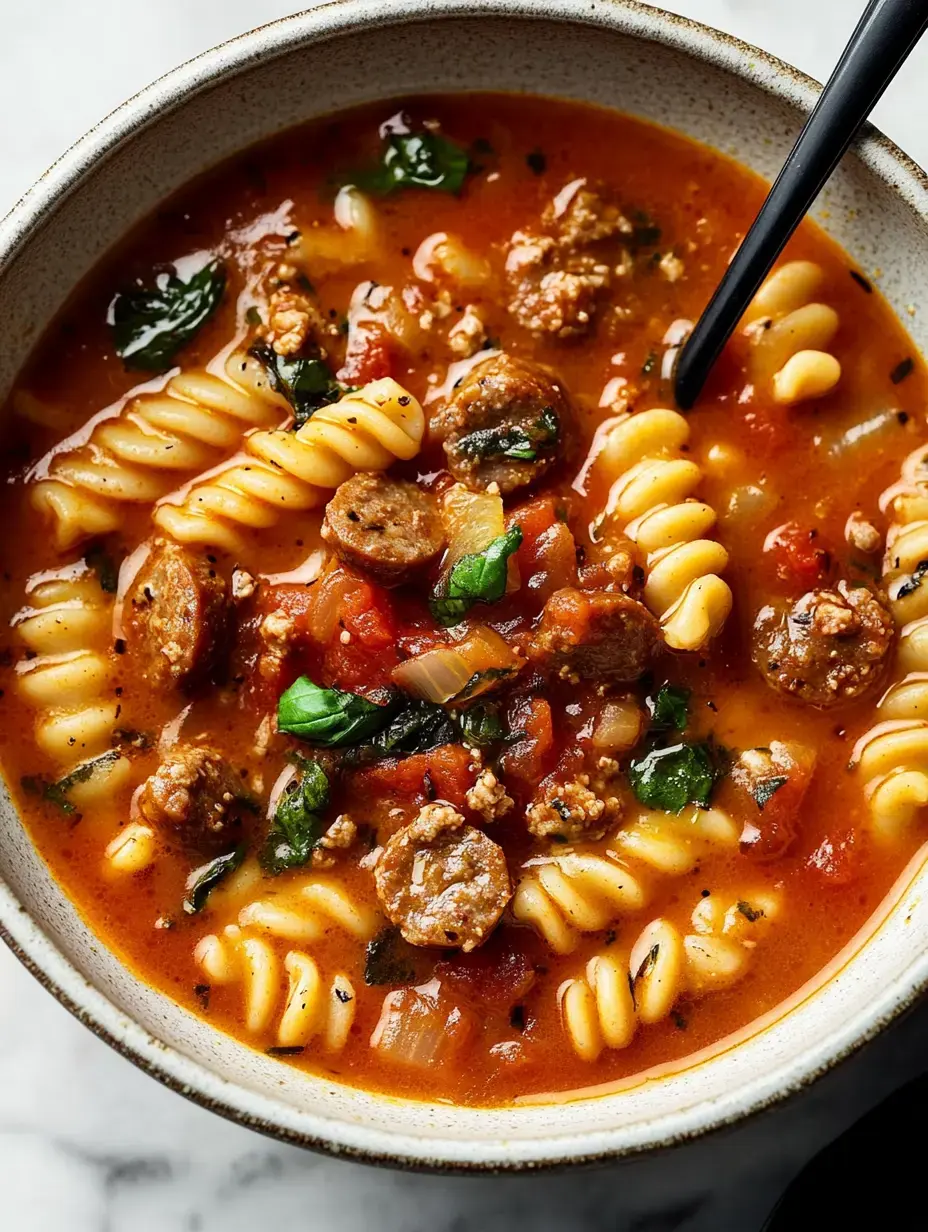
{"x":389,"y":528}
{"x":506,"y":423}
{"x":442,"y":882}
{"x":595,"y":635}
{"x":196,"y":796}
{"x":829,"y":647}
{"x":178,"y":616}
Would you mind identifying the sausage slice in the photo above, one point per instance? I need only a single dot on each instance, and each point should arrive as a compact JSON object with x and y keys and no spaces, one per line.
{"x":389,"y":528}
{"x":506,"y":423}
{"x":178,"y":616}
{"x":829,"y":647}
{"x":195,"y":796}
{"x":595,"y":635}
{"x":442,"y":882}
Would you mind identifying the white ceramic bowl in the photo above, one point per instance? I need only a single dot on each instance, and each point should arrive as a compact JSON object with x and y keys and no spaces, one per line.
{"x":622,"y":54}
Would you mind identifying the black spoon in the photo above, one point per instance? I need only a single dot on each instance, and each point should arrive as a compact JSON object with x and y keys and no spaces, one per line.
{"x":885,"y":35}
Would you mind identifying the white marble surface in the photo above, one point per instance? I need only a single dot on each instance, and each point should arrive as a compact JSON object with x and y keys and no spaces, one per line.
{"x":88,"y":1143}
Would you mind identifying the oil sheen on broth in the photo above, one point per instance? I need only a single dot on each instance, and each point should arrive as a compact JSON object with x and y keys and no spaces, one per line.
{"x":393,"y":677}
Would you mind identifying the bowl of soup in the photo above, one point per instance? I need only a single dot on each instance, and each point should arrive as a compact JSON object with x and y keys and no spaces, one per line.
{"x":422,"y":741}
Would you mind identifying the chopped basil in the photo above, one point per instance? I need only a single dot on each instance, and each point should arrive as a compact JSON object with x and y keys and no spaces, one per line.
{"x":645,"y":232}
{"x":479,"y":577}
{"x":764,"y":789}
{"x":205,"y":878}
{"x":672,"y":777}
{"x":520,"y":444}
{"x":912,"y":583}
{"x":751,"y":914}
{"x":417,"y":160}
{"x":307,"y":384}
{"x":57,"y":792}
{"x":649,"y":960}
{"x":105,"y":568}
{"x":285,"y":1050}
{"x":390,"y":959}
{"x":298,"y":824}
{"x":481,"y":681}
{"x":328,"y":717}
{"x":649,"y":364}
{"x":903,"y":369}
{"x":669,"y":708}
{"x":482,"y":726}
{"x":418,"y":727}
{"x":537,"y":162}
{"x":150,"y":325}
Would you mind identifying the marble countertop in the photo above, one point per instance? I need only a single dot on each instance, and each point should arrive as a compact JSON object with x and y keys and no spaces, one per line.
{"x":90,"y":1144}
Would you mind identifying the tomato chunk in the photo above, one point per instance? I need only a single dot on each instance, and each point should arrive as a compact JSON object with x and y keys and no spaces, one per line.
{"x":529,"y":758}
{"x":799,"y":557}
{"x":838,"y":858}
{"x":495,"y":977}
{"x":370,"y":356}
{"x":441,"y":774}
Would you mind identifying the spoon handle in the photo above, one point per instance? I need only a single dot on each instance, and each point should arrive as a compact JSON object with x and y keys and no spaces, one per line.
{"x":884,"y":36}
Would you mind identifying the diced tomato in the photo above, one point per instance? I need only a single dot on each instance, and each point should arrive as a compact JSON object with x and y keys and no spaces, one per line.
{"x":534,"y":517}
{"x":497,"y":976}
{"x":528,"y":759}
{"x":837,"y":858}
{"x":774,"y":817}
{"x":441,"y":774}
{"x":800,"y":557}
{"x":371,"y":355}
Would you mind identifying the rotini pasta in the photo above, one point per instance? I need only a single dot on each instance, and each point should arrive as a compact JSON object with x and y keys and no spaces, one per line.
{"x":892,"y":756}
{"x":309,"y":1011}
{"x":354,"y":236}
{"x":132,"y":850}
{"x":790,"y":333}
{"x":602,"y":1007}
{"x":293,"y":471}
{"x":66,"y":680}
{"x":309,"y":913}
{"x":652,"y":500}
{"x":136,"y":455}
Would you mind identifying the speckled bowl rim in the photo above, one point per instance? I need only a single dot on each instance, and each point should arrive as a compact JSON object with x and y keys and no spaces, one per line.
{"x":28,"y":942}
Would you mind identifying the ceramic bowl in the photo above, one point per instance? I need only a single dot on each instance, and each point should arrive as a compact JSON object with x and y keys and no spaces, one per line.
{"x":624,"y":55}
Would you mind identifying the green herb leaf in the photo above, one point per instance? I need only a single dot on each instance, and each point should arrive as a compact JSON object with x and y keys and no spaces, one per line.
{"x":764,"y":789}
{"x":481,"y":726}
{"x":912,"y":583}
{"x":57,"y":792}
{"x":298,"y":821}
{"x":307,"y":384}
{"x":390,"y":959}
{"x":480,"y":682}
{"x":673,"y":777}
{"x":751,"y":914}
{"x":904,"y":368}
{"x":418,"y":727}
{"x":105,"y":568}
{"x":150,"y":325}
{"x":417,"y":160}
{"x":327,"y":717}
{"x":518,"y":443}
{"x":669,"y":709}
{"x":205,"y":878}
{"x":479,"y":577}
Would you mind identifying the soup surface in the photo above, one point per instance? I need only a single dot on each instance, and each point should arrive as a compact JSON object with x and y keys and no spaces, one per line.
{"x":393,"y":677}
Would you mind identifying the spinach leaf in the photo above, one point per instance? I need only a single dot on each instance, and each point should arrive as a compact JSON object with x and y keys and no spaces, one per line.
{"x":673,"y":777}
{"x":480,"y":682}
{"x":390,"y":959}
{"x":328,"y":717}
{"x":57,"y":792}
{"x":764,"y":789}
{"x":205,"y":878}
{"x":298,"y":824}
{"x":479,"y":577}
{"x":417,"y":160}
{"x":105,"y":568}
{"x":418,"y":727}
{"x":516,"y":442}
{"x":307,"y":384}
{"x":751,"y":914}
{"x":150,"y":325}
{"x":482,"y":726}
{"x":669,"y":708}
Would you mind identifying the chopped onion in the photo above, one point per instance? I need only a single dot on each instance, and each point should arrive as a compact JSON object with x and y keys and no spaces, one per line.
{"x":417,"y":1030}
{"x":619,"y":726}
{"x":281,"y":783}
{"x":328,"y":603}
{"x":442,"y":674}
{"x":472,"y":521}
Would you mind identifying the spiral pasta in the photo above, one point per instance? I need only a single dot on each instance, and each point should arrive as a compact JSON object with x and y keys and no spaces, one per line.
{"x":308,"y":1011}
{"x":602,"y":1007}
{"x":892,"y":756}
{"x":366,"y":430}
{"x":66,"y":679}
{"x":652,"y":500}
{"x":137,"y":455}
{"x":569,"y":894}
{"x":790,"y":332}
